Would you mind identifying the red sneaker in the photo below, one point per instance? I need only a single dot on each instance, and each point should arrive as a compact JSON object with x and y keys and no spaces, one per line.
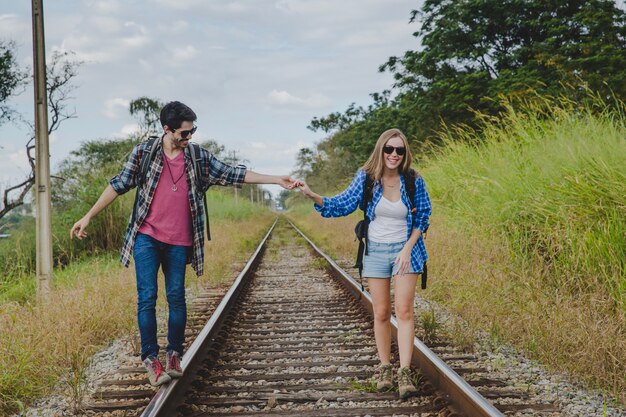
{"x":172,"y":364}
{"x":156,"y":374}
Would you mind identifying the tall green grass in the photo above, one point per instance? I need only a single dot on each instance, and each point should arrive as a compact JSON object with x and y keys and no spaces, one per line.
{"x":550,"y":178}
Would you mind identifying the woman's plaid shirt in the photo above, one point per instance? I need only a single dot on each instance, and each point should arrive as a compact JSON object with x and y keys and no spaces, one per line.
{"x":213,"y":172}
{"x":348,"y":201}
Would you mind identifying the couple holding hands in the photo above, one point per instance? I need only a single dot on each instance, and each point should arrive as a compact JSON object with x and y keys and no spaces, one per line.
{"x":167,"y":231}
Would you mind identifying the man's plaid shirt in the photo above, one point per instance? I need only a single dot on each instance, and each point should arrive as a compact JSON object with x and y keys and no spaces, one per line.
{"x":212,"y":172}
{"x":348,"y":201}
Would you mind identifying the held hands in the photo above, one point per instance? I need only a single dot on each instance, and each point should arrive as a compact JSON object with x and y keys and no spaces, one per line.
{"x":304,"y":188}
{"x":79,"y":227}
{"x":287,"y":182}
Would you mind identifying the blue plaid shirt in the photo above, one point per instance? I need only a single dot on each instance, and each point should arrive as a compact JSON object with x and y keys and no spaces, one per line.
{"x":348,"y":201}
{"x":212,"y":172}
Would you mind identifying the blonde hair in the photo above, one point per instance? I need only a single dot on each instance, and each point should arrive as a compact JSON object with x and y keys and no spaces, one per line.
{"x":375,"y":164}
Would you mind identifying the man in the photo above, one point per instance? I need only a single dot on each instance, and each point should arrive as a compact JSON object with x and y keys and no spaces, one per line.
{"x":167,"y":227}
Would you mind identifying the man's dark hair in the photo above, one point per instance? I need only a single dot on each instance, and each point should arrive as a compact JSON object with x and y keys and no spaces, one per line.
{"x":174,"y":113}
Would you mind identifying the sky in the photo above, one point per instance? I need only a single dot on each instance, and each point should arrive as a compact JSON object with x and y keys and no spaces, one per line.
{"x":256,"y":72}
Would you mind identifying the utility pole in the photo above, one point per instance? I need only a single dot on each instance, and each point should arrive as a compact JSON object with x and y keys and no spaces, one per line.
{"x":42,"y":157}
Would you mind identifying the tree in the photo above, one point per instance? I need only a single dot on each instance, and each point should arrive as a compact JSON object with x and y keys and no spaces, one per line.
{"x":147,"y":112}
{"x":304,"y":162}
{"x":12,"y":80}
{"x":472,"y":53}
{"x":60,"y":73}
{"x":215,"y":148}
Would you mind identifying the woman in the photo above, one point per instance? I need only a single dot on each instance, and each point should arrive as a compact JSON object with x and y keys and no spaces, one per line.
{"x":395,"y":245}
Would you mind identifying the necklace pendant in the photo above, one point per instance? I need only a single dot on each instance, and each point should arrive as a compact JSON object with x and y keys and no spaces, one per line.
{"x":174,"y":187}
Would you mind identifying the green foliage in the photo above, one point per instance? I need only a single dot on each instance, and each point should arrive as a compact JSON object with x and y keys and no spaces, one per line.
{"x":473,"y":50}
{"x":368,"y":385}
{"x":471,"y":54}
{"x":13,"y":219}
{"x":215,"y":148}
{"x":12,"y":78}
{"x":550,"y":176}
{"x":430,"y":324}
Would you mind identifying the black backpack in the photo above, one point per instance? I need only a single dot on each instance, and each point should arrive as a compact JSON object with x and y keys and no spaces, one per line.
{"x":363,"y":225}
{"x":144,"y":167}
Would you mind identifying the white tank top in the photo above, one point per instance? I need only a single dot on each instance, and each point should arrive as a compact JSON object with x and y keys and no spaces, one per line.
{"x":389,"y":225}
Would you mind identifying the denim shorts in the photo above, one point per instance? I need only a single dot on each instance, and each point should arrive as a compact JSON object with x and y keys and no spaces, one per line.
{"x":378,"y":263}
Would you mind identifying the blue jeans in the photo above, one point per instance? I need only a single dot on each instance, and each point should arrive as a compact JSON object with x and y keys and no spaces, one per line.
{"x":149,"y":254}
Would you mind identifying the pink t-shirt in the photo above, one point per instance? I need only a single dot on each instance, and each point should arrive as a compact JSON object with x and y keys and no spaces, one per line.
{"x":169,"y":216}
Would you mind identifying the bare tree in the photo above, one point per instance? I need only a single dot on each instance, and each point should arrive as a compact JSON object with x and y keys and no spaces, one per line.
{"x":60,"y":74}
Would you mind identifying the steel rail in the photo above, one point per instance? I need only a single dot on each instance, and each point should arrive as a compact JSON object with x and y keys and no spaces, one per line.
{"x":465,"y":399}
{"x":159,"y":405}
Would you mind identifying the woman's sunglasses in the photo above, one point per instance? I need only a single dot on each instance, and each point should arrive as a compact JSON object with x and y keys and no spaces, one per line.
{"x":185,"y":133}
{"x":400,"y":150}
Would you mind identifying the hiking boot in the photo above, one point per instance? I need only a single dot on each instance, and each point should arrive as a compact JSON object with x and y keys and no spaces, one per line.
{"x":172,"y":364}
{"x":384,"y":377}
{"x":156,"y":374}
{"x":405,"y":383}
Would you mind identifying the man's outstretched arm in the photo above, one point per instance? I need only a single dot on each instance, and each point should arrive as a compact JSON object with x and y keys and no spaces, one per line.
{"x":284,"y":181}
{"x":106,"y":198}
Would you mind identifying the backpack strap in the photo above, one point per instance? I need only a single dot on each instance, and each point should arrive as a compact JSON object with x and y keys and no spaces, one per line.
{"x":144,"y":164}
{"x":366,"y":198}
{"x":196,"y":160}
{"x":144,"y":167}
{"x":409,"y":184}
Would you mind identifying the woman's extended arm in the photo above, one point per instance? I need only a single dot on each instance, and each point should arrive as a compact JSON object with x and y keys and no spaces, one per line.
{"x":343,"y":203}
{"x":317,"y":199}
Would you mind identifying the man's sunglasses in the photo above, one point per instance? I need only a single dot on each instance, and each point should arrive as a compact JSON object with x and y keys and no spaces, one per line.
{"x":400,"y":150}
{"x":185,"y":133}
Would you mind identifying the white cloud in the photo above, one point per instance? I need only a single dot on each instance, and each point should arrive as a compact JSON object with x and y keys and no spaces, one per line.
{"x":106,"y":6}
{"x":182,"y":55}
{"x":107,"y":24}
{"x":134,"y":25}
{"x":114,"y":106}
{"x":80,"y":45}
{"x":179,"y":4}
{"x":257,"y":145}
{"x":19,"y":160}
{"x":318,"y":7}
{"x":15,"y":28}
{"x":231,"y":7}
{"x":135,"y":41}
{"x":283,"y":98}
{"x":280,"y":152}
{"x":126,"y":130}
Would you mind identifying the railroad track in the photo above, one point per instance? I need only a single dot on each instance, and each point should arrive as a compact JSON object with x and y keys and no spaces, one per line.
{"x":293,"y":337}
